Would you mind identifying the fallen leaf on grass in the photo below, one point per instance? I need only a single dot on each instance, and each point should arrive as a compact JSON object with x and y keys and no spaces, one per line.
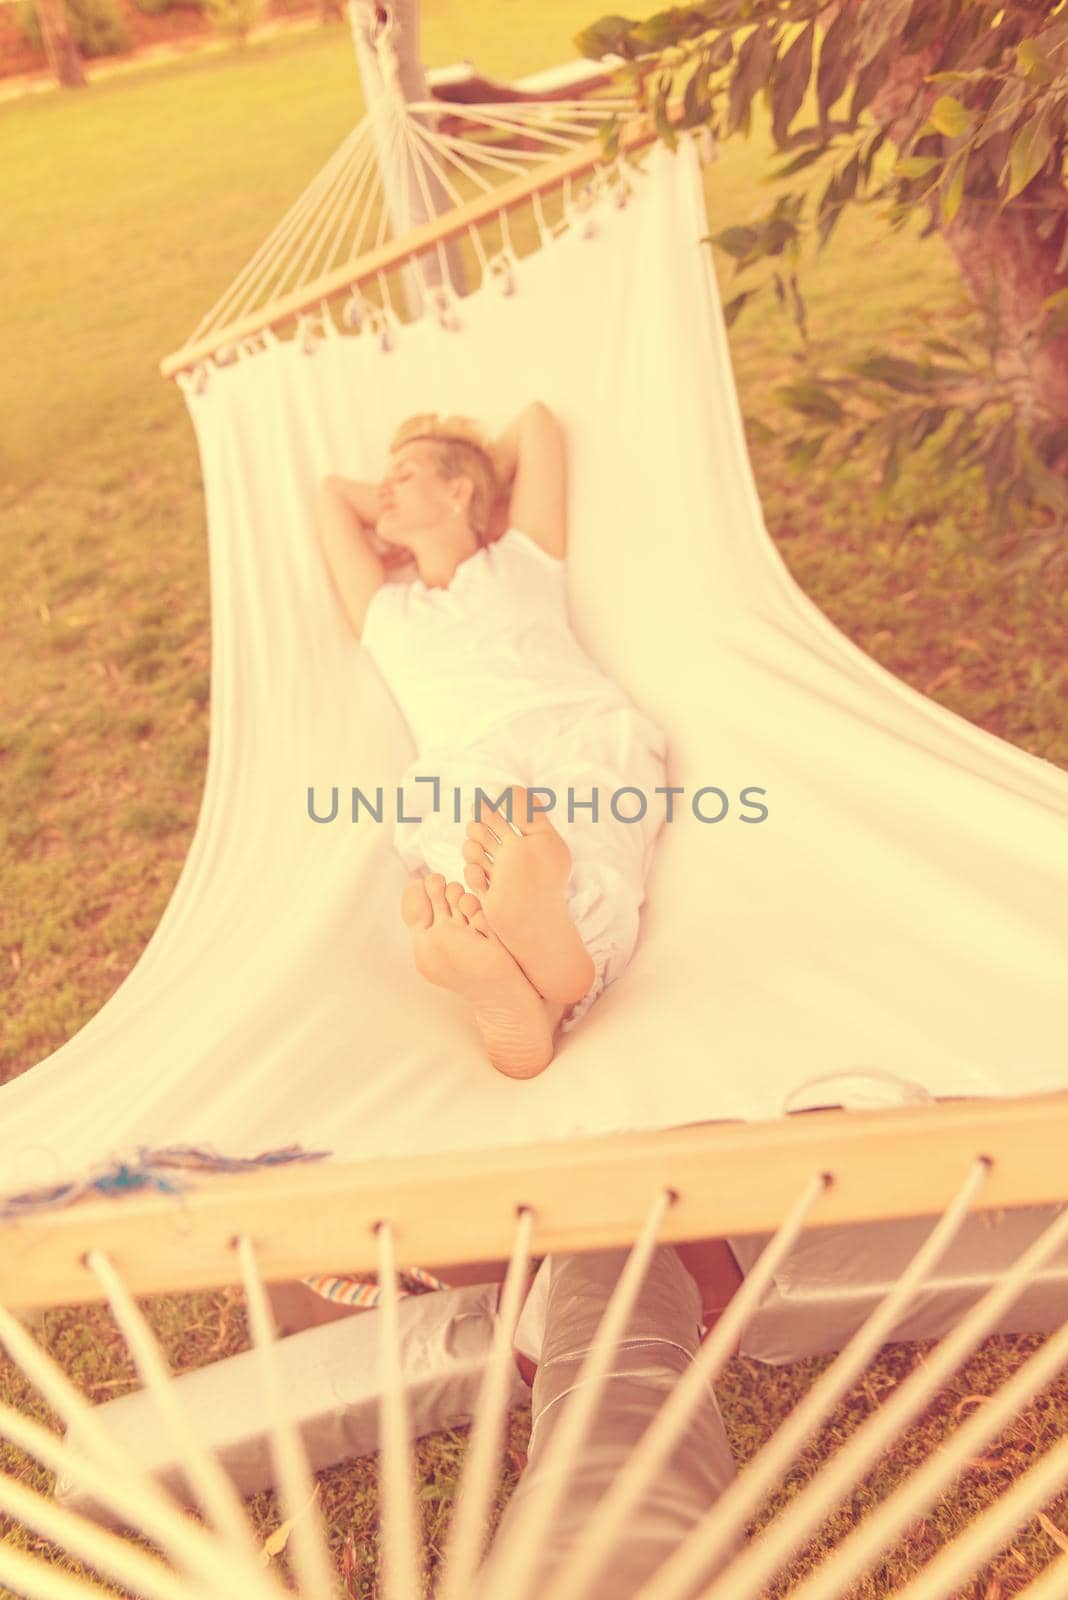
{"x":231,"y":1295}
{"x":277,"y":1541}
{"x":970,"y":1400}
{"x":946,"y":676}
{"x":348,"y":1568}
{"x":1052,"y":1529}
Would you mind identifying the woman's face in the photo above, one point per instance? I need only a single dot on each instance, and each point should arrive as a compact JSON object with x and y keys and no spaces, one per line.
{"x":413,"y":497}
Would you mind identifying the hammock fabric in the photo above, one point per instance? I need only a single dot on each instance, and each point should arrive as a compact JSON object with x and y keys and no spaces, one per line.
{"x":893,"y":929}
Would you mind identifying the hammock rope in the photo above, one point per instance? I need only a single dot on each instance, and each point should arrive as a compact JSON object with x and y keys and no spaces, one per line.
{"x":317,"y":235}
{"x":398,"y":142}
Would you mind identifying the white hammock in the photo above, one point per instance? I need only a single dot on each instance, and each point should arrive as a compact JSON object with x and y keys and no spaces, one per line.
{"x":893,"y":933}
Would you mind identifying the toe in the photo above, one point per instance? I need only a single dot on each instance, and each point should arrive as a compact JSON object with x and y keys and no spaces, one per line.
{"x":492,"y":812}
{"x":532,"y":811}
{"x":527,"y":812}
{"x":435,"y":888}
{"x":415,"y":907}
{"x":454,"y":893}
{"x":474,"y":852}
{"x":476,"y":879}
{"x":470,"y":906}
{"x":482,"y":833}
{"x":478,"y":922}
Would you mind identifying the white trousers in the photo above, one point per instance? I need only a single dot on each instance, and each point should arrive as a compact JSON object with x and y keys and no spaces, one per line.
{"x":612,"y":759}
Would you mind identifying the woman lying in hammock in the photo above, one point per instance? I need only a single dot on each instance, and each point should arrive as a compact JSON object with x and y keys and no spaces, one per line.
{"x":479,"y":654}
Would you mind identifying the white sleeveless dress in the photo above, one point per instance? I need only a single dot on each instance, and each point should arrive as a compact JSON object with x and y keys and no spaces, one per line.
{"x":496,"y":690}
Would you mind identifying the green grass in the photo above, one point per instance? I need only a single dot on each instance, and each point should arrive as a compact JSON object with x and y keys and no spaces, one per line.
{"x":127,"y":211}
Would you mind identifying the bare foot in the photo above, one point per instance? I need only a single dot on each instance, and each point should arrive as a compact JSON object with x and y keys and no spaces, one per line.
{"x":455,"y":947}
{"x":522,"y":889}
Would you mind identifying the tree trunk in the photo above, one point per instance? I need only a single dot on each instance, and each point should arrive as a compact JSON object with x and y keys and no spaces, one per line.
{"x":985,"y":243}
{"x":1023,"y":266}
{"x":60,"y":48}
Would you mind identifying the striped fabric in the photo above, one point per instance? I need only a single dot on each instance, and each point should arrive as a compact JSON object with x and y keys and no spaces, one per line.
{"x":361,"y":1292}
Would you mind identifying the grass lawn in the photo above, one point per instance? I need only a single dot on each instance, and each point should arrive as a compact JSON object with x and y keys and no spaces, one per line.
{"x":127,"y":210}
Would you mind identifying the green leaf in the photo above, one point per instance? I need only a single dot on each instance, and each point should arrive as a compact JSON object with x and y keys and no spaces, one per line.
{"x":913,"y":166}
{"x":607,"y":36}
{"x":668,"y":27}
{"x":928,"y":421}
{"x":953,"y":191}
{"x":874,"y":146}
{"x":1032,"y":61}
{"x":870,"y":78}
{"x":893,"y":371}
{"x":721,"y":51}
{"x":750,"y":74}
{"x":943,"y":348}
{"x":776,"y":234}
{"x":660,"y":116}
{"x":948,"y":116}
{"x":955,"y":77}
{"x":950,"y":452}
{"x":732,"y":308}
{"x":833,"y":72}
{"x":1030,"y":147}
{"x":792,"y":74}
{"x":805,"y":159}
{"x":810,"y":399}
{"x":881,"y":24}
{"x":1004,"y":111}
{"x":834,"y":198}
{"x":889,"y":475}
{"x":610,"y":139}
{"x":756,"y":428}
{"x":737,"y":242}
{"x":799,"y":307}
{"x":696,"y":105}
{"x":804,"y":450}
{"x":1055,"y":304}
{"x":663,"y":126}
{"x":891,"y":465}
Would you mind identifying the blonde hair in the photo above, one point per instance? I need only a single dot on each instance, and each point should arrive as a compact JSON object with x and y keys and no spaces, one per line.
{"x":461,"y":450}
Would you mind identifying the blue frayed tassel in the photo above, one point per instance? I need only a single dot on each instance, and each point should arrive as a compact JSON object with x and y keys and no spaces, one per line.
{"x":129,"y":1177}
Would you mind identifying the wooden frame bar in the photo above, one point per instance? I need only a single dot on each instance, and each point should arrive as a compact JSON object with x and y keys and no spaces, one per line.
{"x":594,"y":1193}
{"x":633,"y":137}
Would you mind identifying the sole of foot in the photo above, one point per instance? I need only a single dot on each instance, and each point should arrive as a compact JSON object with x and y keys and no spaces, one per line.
{"x":521,"y":878}
{"x":456,"y":948}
